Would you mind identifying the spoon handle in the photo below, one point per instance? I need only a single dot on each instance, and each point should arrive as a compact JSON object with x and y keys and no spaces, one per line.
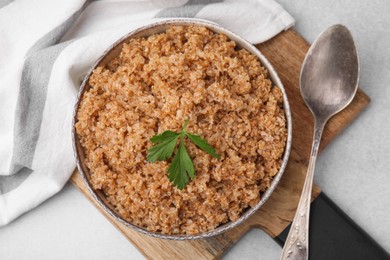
{"x":296,"y":246}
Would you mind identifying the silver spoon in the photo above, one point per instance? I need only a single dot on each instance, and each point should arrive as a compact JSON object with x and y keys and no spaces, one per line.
{"x":329,"y":79}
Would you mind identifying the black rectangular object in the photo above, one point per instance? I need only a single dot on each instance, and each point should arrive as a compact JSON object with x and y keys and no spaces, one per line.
{"x":335,"y":236}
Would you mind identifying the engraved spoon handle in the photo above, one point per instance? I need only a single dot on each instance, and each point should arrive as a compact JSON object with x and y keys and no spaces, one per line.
{"x":297,"y":243}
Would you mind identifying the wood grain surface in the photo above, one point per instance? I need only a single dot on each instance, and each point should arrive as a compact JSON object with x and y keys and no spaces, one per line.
{"x":286,"y":53}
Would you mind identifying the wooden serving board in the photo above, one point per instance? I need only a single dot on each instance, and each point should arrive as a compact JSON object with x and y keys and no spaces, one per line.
{"x":286,"y":53}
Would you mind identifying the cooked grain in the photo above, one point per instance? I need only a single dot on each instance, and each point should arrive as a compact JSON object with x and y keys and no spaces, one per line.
{"x":155,"y":84}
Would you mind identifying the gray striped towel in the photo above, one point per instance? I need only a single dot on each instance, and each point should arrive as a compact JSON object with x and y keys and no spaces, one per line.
{"x":46,"y":47}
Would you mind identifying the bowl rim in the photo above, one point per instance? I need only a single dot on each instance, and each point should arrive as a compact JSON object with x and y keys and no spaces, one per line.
{"x":242,"y":43}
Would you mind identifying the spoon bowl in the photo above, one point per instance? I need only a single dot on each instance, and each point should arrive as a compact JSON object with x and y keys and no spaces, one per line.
{"x":330,"y":72}
{"x":329,"y":79}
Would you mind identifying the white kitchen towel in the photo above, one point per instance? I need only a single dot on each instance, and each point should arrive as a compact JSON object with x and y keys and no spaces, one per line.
{"x":46,"y":48}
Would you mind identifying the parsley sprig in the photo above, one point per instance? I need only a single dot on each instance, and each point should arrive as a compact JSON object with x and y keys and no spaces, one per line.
{"x":181,"y":168}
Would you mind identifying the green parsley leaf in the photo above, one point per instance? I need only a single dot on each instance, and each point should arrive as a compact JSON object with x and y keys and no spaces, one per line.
{"x":163,"y":137}
{"x":166,"y":143}
{"x":203,"y":144}
{"x":181,"y":169}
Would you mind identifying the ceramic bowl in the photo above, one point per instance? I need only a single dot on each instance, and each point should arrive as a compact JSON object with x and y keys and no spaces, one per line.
{"x":113,"y":52}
